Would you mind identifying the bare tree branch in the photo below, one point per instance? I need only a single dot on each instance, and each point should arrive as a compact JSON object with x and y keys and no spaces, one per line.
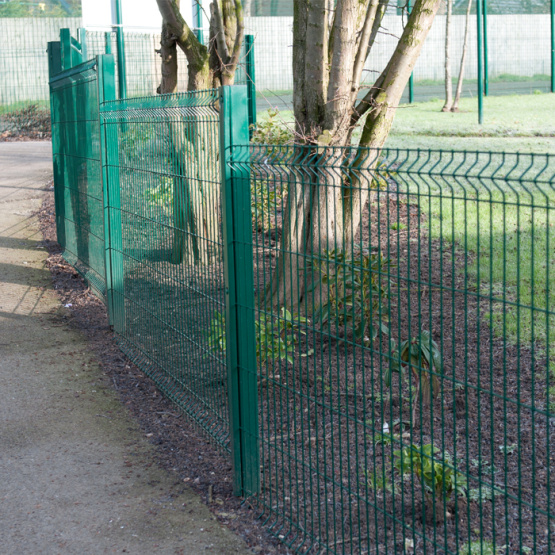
{"x":219,"y":32}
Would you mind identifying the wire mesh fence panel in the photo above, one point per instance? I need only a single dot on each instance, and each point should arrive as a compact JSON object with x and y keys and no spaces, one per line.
{"x":24,"y":66}
{"x":404,"y":323}
{"x":162,"y":157}
{"x":77,"y":171}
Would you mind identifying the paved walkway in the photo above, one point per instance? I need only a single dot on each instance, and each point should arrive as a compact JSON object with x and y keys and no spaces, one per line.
{"x":76,"y":474}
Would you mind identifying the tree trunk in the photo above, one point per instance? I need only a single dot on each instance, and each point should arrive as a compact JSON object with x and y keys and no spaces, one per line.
{"x":448,"y":82}
{"x":455,"y":107}
{"x":196,"y":198}
{"x":325,"y":206}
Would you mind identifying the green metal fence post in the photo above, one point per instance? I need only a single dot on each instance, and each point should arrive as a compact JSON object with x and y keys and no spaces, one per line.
{"x":411,"y":78}
{"x":82,"y":38}
{"x":238,"y":269}
{"x":54,"y":67}
{"x":485,"y":23}
{"x":552,"y":45}
{"x":199,"y":21}
{"x":480,"y":59}
{"x":251,"y":81}
{"x":54,"y":51}
{"x":110,"y":193}
{"x":108,"y":42}
{"x":120,"y":40}
{"x":65,"y":42}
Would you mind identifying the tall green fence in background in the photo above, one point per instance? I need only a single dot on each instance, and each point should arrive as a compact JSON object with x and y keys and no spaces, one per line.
{"x":368,"y":334}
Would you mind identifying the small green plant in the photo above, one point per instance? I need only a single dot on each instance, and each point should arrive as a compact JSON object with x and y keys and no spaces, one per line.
{"x":434,"y":469}
{"x":485,"y":493}
{"x":355,"y":288}
{"x":480,"y":547}
{"x":276,"y":338}
{"x":508,"y":449}
{"x":421,"y":354}
{"x":379,"y":480}
{"x":216,"y":334}
{"x":398,"y":226}
{"x":272,"y":130}
{"x":162,"y":194}
{"x":132,"y":139}
{"x":265,"y":203}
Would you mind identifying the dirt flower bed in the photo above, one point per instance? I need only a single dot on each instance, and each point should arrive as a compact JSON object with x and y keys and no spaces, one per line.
{"x":30,"y":123}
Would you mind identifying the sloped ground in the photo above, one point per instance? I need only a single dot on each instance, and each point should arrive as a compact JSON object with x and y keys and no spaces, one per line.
{"x":77,"y":474}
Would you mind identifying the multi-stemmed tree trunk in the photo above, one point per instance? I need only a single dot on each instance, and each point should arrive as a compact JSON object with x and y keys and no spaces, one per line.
{"x":195,"y":227}
{"x":330,"y":48}
{"x":331,"y":43}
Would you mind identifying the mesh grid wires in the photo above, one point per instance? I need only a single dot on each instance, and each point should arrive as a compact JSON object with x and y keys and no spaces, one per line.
{"x":162,"y":154}
{"x":23,"y":59}
{"x":406,"y":380}
{"x":24,"y":63}
{"x":77,"y":172}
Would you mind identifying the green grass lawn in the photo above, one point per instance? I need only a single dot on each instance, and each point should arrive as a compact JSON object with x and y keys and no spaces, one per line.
{"x":517,"y":123}
{"x":520,"y":123}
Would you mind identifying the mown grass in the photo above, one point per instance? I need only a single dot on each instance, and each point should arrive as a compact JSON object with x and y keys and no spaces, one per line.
{"x":505,"y":117}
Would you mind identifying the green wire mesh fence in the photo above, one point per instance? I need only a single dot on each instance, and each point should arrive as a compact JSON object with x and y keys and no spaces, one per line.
{"x":404,"y":318}
{"x":76,"y":156}
{"x":162,"y":155}
{"x":387,"y":385}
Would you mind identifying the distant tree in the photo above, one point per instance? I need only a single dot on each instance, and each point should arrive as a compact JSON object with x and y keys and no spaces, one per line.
{"x":46,"y":8}
{"x":448,"y":81}
{"x":455,"y":105}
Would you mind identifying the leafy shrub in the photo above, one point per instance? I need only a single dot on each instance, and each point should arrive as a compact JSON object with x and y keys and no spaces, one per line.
{"x":420,"y":354}
{"x":355,"y":288}
{"x":278,"y":339}
{"x":272,"y":131}
{"x":433,"y":468}
{"x":265,"y":202}
{"x":162,"y":194}
{"x":275,"y":338}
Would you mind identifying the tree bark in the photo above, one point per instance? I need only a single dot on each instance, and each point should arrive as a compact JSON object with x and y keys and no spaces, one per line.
{"x":448,"y":81}
{"x":196,"y":198}
{"x":455,"y":106}
{"x":325,"y":206}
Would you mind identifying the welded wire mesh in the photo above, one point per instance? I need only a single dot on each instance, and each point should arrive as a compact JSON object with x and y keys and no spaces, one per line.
{"x":77,"y":171}
{"x":517,"y":46}
{"x":24,"y":63}
{"x":404,"y":322}
{"x":162,"y":166}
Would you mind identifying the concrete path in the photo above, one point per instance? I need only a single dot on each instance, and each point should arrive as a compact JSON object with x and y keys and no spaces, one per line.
{"x":76,"y":474}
